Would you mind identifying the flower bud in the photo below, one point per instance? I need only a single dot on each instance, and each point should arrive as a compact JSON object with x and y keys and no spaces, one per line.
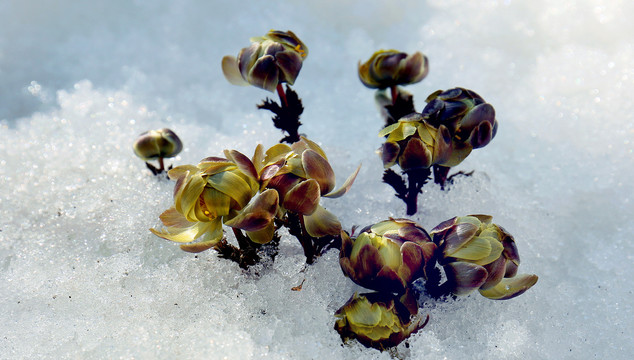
{"x":387,"y":68}
{"x":379,"y":320}
{"x":388,"y":256}
{"x":154,"y":144}
{"x":477,"y":254}
{"x":301,"y":174}
{"x":271,"y":59}
{"x":470,"y":120}
{"x":413,"y":143}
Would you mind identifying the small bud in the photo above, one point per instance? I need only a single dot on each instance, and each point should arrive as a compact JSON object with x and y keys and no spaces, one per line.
{"x":387,"y":68}
{"x":155,"y":144}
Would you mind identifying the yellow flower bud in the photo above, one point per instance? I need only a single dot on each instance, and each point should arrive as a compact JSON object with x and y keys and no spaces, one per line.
{"x":387,"y":68}
{"x":272,"y":59}
{"x":155,"y":144}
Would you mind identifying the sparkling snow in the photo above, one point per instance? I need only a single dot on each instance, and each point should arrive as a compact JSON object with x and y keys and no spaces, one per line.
{"x":82,"y":277}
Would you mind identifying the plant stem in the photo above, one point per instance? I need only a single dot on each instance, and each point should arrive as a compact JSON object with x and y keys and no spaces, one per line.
{"x":416,"y":178}
{"x":440,"y":175}
{"x":280,"y":92}
{"x":394,"y":93}
{"x":286,"y":115}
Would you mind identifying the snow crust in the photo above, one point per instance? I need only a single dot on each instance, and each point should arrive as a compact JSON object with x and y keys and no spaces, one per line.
{"x":82,"y":277}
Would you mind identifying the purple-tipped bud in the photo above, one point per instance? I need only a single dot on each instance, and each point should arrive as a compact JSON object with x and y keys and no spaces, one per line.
{"x":388,"y":256}
{"x":477,"y":254}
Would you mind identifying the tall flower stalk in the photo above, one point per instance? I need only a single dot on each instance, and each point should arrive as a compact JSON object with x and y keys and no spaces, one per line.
{"x":270,"y":61}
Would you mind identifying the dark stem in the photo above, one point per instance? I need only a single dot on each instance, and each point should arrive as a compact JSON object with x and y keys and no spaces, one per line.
{"x":161,"y":164}
{"x":296,"y":227}
{"x":287,"y":115}
{"x":416,"y":178}
{"x":434,"y":288}
{"x":313,"y":247}
{"x":402,"y":105}
{"x":394,"y":93}
{"x":440,"y":175}
{"x":248,"y":249}
{"x":280,"y":92}
{"x":243,"y":240}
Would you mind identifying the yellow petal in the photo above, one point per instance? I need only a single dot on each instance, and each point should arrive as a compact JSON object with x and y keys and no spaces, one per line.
{"x":172,"y":218}
{"x":190,"y":233}
{"x":305,"y":144}
{"x":217,"y":203}
{"x":262,"y":236}
{"x":346,"y":185}
{"x":276,"y":152}
{"x":476,"y":249}
{"x":187,"y":198}
{"x":233,"y":185}
{"x":388,"y":129}
{"x":242,"y":162}
{"x":182,"y":170}
{"x":258,"y":214}
{"x":510,"y":287}
{"x":212,"y":166}
{"x":321,"y":223}
{"x":495,"y":253}
{"x":232,"y":72}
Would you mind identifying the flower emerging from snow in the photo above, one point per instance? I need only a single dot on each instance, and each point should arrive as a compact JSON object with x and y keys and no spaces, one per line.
{"x":477,"y":254}
{"x":379,"y":320}
{"x":387,"y":256}
{"x":272,"y":59}
{"x":413,"y":143}
{"x":157,"y":144}
{"x":470,"y":120}
{"x":301,"y":174}
{"x":389,"y":68}
{"x":217,"y":190}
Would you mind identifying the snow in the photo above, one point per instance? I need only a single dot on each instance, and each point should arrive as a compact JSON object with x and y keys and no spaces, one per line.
{"x":82,"y":277}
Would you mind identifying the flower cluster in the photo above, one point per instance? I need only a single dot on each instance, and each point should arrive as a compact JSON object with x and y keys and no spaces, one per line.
{"x":391,"y":255}
{"x":453,"y":123}
{"x":470,"y":120}
{"x":270,"y":61}
{"x":387,"y":257}
{"x":283,"y":185}
{"x":217,"y":191}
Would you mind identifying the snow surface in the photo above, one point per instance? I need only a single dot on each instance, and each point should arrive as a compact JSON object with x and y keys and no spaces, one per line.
{"x":82,"y":277}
